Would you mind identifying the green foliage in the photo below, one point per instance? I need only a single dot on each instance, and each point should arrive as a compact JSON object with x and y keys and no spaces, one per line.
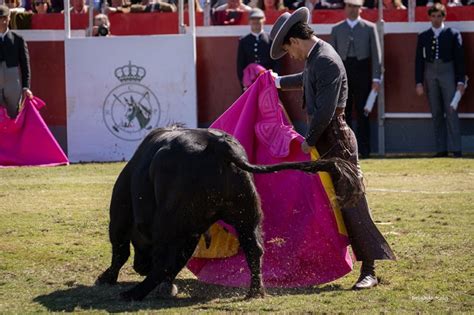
{"x":54,"y":243}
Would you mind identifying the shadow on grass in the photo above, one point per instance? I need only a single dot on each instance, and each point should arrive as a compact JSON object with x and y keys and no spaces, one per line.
{"x":191,"y":292}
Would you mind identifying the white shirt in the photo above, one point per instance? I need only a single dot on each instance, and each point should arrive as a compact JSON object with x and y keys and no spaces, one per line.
{"x":438,"y":30}
{"x":353,"y":23}
{"x":256,"y":34}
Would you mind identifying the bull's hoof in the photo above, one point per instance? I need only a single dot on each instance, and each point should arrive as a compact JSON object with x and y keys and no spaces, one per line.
{"x":106,"y":277}
{"x":256,"y":294}
{"x":167,"y":290}
{"x":130,"y":295}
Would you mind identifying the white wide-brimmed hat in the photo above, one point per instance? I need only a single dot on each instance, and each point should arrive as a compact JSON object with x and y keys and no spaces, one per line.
{"x":281,"y":27}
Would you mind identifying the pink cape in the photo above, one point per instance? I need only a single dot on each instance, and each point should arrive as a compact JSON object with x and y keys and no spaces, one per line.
{"x":302,"y":244}
{"x":251,"y":73}
{"x":27,"y":140}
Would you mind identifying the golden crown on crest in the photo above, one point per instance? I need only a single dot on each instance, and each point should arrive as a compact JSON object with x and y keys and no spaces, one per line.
{"x":130,"y":72}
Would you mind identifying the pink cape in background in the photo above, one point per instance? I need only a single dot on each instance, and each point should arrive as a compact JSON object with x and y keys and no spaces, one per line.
{"x":27,"y":140}
{"x":302,"y":243}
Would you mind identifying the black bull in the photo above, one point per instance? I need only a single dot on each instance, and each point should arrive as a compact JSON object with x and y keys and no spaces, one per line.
{"x":181,"y":181}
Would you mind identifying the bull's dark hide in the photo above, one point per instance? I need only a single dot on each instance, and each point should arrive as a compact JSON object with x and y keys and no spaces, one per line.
{"x":178,"y":183}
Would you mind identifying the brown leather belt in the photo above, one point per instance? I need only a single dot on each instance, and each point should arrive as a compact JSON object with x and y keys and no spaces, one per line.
{"x":339,"y":112}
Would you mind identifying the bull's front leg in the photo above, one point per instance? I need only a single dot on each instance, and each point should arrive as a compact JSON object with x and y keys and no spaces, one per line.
{"x":141,"y":290}
{"x":120,"y":227}
{"x":120,"y":254}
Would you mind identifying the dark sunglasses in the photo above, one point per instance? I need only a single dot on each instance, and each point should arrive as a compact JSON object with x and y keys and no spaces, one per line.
{"x":39,"y":2}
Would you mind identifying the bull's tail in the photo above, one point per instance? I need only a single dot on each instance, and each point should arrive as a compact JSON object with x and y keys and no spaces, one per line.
{"x":346,"y":176}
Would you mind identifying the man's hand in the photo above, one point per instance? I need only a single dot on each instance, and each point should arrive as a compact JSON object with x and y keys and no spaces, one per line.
{"x":274,"y":74}
{"x":461,"y":88}
{"x":27,"y":93}
{"x":376,"y":86}
{"x":305,"y":147}
{"x":419,"y":89}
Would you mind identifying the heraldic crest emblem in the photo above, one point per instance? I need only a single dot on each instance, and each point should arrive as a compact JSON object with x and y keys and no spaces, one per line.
{"x":131,"y":109}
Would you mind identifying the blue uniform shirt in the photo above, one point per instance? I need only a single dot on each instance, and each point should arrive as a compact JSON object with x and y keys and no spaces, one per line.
{"x":446,"y":47}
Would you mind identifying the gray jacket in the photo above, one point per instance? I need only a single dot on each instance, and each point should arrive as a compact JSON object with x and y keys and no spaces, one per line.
{"x":324,"y":83}
{"x":365,"y":39}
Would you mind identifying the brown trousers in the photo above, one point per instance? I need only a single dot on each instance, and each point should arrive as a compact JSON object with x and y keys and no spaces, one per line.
{"x":338,"y":140}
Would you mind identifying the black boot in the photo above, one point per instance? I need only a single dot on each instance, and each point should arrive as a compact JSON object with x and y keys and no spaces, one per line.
{"x":367,"y":277}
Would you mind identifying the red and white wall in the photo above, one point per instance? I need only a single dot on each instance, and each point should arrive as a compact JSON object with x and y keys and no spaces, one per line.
{"x":217,"y":86}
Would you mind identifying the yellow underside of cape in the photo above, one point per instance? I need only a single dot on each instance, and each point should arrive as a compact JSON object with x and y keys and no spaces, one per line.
{"x":225,"y":244}
{"x":329,"y":188}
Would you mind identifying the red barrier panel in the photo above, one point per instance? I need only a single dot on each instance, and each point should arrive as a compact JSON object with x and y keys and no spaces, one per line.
{"x":328,"y":16}
{"x":48,"y":79}
{"x":143,"y":23}
{"x":55,"y":21}
{"x":167,"y":23}
{"x":465,"y":13}
{"x":199,"y":18}
{"x":121,"y":23}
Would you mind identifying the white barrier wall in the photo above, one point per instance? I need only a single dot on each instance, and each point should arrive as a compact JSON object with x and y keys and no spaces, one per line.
{"x":120,"y":88}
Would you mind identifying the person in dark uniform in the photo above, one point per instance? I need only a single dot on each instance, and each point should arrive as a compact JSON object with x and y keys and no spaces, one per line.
{"x":13,"y":54}
{"x":324,"y":84}
{"x":357,"y":42}
{"x":255,"y":47}
{"x":440,"y":69}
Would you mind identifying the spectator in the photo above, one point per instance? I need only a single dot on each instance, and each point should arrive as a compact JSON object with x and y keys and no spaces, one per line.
{"x":153,"y":6}
{"x":318,"y":4}
{"x":41,"y":6}
{"x":234,"y":5}
{"x":78,"y":7}
{"x":13,"y":55}
{"x":439,"y":67}
{"x":356,"y":41}
{"x":429,"y":3}
{"x":255,"y":47}
{"x":393,"y":4}
{"x":271,"y":5}
{"x":101,"y":25}
{"x":117,"y":6}
{"x":449,"y":3}
{"x":197,"y":6}
{"x":57,"y":6}
{"x":14,"y":6}
{"x":387,"y":4}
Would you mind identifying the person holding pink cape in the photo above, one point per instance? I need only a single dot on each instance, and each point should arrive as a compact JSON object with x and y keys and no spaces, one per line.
{"x":325,"y":90}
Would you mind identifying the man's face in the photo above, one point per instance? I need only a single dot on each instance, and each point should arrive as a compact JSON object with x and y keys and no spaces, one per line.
{"x":11,"y":4}
{"x":78,"y":4}
{"x":352,"y":11}
{"x":295,"y":49}
{"x":4,"y":20}
{"x":256,"y":24}
{"x":437,"y":19}
{"x":233,"y":4}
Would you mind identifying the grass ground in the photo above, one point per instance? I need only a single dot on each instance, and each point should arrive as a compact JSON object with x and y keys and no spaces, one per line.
{"x":53,"y":245}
